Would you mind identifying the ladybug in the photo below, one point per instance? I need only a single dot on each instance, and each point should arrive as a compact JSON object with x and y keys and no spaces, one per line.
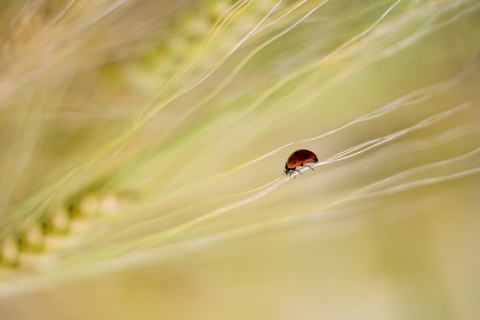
{"x":298,"y":159}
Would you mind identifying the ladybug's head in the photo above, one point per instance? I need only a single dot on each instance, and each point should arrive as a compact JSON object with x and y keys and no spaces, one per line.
{"x":287,"y":169}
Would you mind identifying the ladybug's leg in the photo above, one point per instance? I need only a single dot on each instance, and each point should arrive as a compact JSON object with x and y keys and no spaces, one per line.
{"x":303,"y":165}
{"x":289,"y":173}
{"x":294,"y":174}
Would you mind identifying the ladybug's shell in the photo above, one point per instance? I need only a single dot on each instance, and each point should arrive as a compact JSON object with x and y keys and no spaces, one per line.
{"x":299,"y":158}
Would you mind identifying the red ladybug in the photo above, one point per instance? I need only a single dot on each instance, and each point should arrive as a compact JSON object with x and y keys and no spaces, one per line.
{"x":298,"y":159}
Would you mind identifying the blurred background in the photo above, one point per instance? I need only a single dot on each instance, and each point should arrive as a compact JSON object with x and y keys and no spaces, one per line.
{"x":143,"y":145}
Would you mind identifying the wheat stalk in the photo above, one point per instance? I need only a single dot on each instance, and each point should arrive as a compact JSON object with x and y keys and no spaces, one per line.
{"x":140,"y":131}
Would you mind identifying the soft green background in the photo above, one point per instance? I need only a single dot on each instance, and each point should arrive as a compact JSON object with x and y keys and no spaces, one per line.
{"x":181,"y":114}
